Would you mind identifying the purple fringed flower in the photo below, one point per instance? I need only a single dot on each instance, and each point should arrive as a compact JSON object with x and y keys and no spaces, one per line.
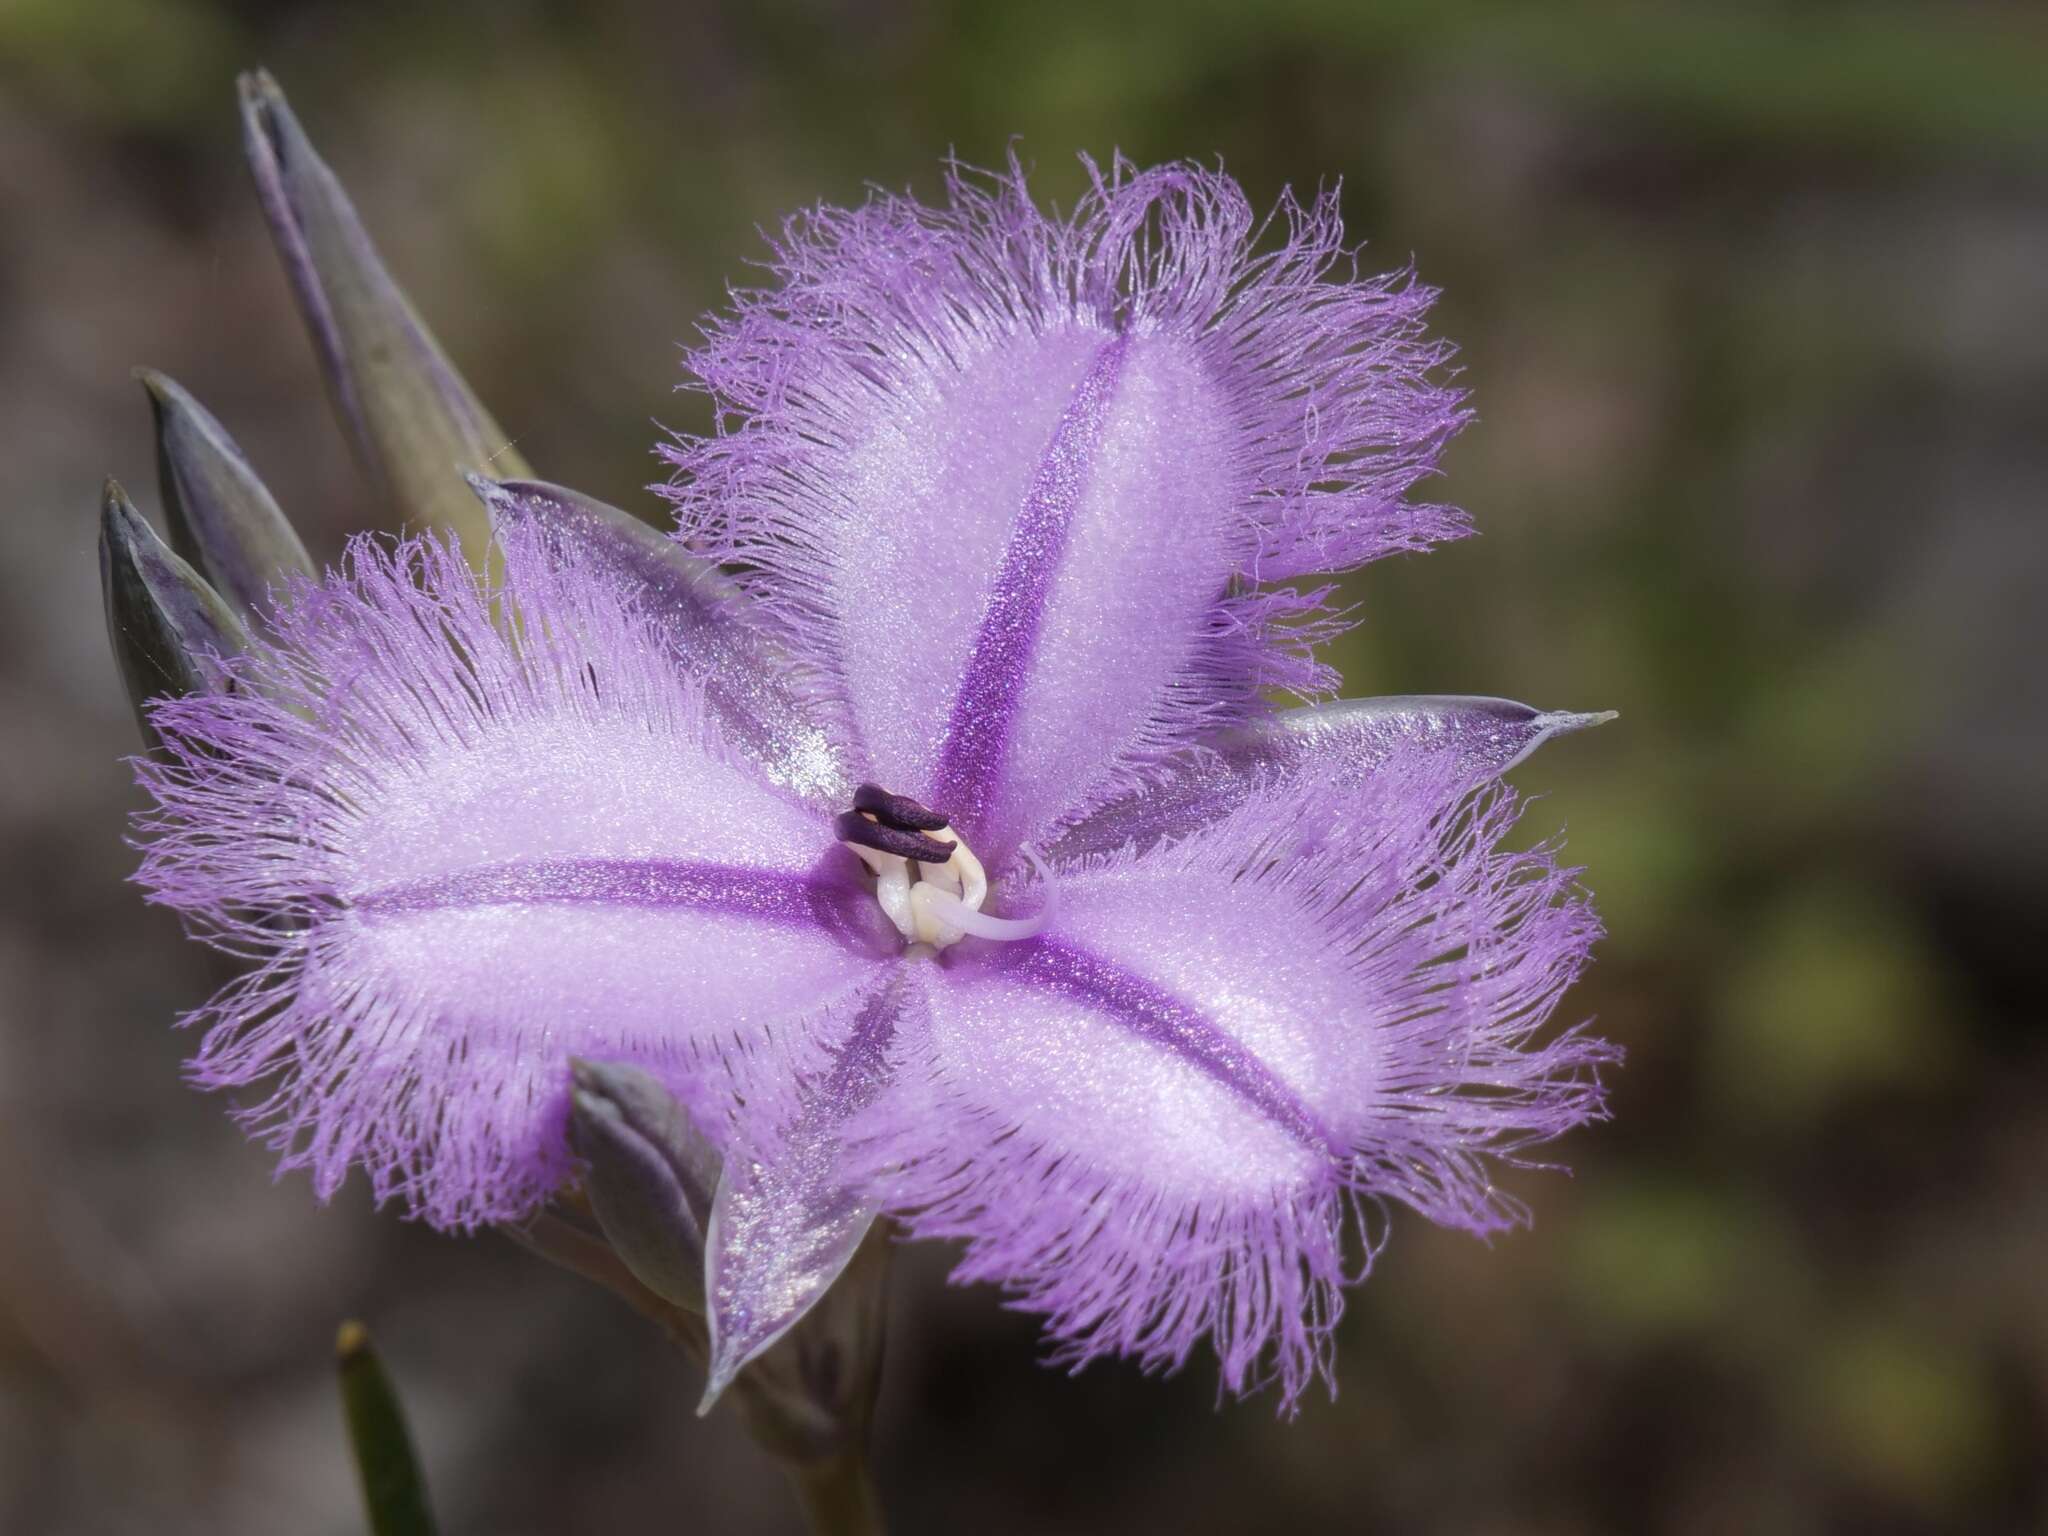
{"x":950,"y":866}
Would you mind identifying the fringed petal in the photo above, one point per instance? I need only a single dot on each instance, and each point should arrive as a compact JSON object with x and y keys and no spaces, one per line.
{"x":1151,"y":1123}
{"x":1027,"y":493}
{"x":467,"y":835}
{"x":706,"y":621}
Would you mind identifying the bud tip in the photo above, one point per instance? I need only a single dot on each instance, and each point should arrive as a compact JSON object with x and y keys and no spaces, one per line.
{"x":351,"y":1340}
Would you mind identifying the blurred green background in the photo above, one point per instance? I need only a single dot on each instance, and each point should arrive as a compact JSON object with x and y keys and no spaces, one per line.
{"x":1753,"y":300}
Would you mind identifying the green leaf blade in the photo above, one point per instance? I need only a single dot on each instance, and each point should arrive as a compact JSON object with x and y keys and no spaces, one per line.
{"x":394,"y":1493}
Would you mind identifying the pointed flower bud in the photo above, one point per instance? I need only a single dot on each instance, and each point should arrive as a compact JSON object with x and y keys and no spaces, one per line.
{"x":416,"y":426}
{"x":650,"y":1176}
{"x":162,"y":617}
{"x":222,"y":518}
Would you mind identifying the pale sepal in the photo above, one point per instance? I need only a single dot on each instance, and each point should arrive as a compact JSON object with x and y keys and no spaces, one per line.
{"x":1343,"y":744}
{"x":702,"y":612}
{"x":785,"y":1224}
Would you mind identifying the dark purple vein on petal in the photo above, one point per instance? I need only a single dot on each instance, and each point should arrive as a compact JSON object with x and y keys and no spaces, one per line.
{"x":985,"y":708}
{"x":1189,"y":1033}
{"x":679,"y":884}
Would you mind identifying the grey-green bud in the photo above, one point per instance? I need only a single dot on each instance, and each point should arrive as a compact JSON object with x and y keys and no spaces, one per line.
{"x":221,"y":517}
{"x":165,"y":623}
{"x":416,"y":426}
{"x":650,"y":1176}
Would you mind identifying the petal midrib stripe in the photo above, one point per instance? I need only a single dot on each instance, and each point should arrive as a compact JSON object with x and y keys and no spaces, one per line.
{"x":978,"y":729}
{"x":673,"y":884}
{"x":1188,"y":1032}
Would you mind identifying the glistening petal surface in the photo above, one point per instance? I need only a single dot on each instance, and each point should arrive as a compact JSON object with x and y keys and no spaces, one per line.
{"x":469,"y":838}
{"x":786,"y":1221}
{"x":1017,"y":488}
{"x":704,"y":618}
{"x":1150,"y":1123}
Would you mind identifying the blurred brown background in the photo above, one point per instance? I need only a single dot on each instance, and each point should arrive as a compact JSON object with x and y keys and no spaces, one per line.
{"x":1754,"y":302}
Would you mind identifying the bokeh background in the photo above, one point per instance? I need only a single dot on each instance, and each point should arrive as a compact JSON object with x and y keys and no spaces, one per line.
{"x":1753,"y":300}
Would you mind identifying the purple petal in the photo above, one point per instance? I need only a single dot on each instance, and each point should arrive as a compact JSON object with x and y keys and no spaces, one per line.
{"x":1018,"y":488}
{"x":1342,"y":744}
{"x":462,"y":858}
{"x":703,"y":616}
{"x":1150,"y":1124}
{"x":785,"y":1223}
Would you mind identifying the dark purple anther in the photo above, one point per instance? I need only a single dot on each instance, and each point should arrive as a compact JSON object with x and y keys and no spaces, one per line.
{"x":898,"y":811}
{"x":852,"y":827}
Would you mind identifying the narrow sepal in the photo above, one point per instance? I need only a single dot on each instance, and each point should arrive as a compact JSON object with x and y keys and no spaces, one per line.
{"x":747,"y":681}
{"x":1470,"y":739}
{"x":649,"y":1175}
{"x":165,"y":622}
{"x":394,"y":1493}
{"x":222,"y":518}
{"x":785,"y":1224}
{"x":416,"y":425}
{"x":810,"y":1398}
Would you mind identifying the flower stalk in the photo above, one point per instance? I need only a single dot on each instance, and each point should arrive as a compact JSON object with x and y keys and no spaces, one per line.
{"x":808,"y":1402}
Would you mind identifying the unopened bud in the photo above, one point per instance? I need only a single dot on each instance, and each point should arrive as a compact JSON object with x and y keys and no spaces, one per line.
{"x":416,"y":426}
{"x":221,"y":517}
{"x":650,"y":1176}
{"x":167,"y":626}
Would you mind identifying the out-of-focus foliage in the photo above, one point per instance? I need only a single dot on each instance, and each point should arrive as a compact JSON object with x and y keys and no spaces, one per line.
{"x":1754,"y":305}
{"x":394,"y":1491}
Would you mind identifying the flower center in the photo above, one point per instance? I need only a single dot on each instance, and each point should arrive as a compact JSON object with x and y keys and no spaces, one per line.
{"x":931,"y":888}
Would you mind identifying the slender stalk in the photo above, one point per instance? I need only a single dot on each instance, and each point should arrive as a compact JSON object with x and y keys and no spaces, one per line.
{"x":838,"y":1495}
{"x":805,"y":1403}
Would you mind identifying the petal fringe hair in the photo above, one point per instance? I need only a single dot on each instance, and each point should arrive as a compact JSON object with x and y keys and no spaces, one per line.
{"x":1457,"y":951}
{"x":1336,"y":393}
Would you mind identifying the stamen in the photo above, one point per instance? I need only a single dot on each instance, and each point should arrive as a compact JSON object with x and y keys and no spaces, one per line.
{"x":931,"y":890}
{"x":898,"y":811}
{"x":853,"y":827}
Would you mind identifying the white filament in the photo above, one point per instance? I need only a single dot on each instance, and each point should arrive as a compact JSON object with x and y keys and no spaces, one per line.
{"x":942,"y":905}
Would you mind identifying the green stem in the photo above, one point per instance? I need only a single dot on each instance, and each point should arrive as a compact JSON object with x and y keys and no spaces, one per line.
{"x":838,"y":1495}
